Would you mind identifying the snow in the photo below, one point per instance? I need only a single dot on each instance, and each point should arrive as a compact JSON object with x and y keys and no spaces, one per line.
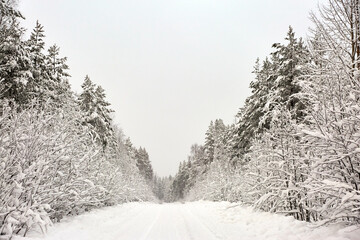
{"x":196,"y":220}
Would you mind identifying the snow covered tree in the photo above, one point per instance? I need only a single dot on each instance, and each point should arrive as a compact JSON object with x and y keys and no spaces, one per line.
{"x":214,"y":137}
{"x":130,"y":149}
{"x":36,"y":45}
{"x":97,"y":114}
{"x":178,"y":187}
{"x":276,"y":171}
{"x":289,"y":61}
{"x":87,"y":97}
{"x":53,"y":160}
{"x":58,"y":81}
{"x":338,"y":26}
{"x":143,"y":164}
{"x":209,"y":143}
{"x":250,"y":117}
{"x":41,"y":159}
{"x":275,"y":83}
{"x":15,"y":62}
{"x":162,"y":188}
{"x":38,"y":88}
{"x":332,"y":88}
{"x":198,"y":178}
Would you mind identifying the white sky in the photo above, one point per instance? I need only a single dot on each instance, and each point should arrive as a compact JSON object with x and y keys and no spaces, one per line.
{"x":168,"y":67}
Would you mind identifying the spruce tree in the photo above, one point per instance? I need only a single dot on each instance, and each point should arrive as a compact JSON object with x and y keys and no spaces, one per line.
{"x":38,"y":88}
{"x":209,"y":143}
{"x":289,"y":60}
{"x":15,"y":64}
{"x":57,"y":68}
{"x":143,"y":164}
{"x":96,"y":112}
{"x":276,"y":83}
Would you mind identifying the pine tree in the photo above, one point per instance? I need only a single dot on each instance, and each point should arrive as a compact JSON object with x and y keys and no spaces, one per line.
{"x":96,"y":112}
{"x":214,"y":136}
{"x":130,"y":149}
{"x":57,"y":69}
{"x":209,"y":144}
{"x":38,"y":88}
{"x":15,"y":64}
{"x":87,"y":97}
{"x":104,"y":118}
{"x":36,"y":45}
{"x":143,"y":164}
{"x":275,"y":84}
{"x":290,"y":60}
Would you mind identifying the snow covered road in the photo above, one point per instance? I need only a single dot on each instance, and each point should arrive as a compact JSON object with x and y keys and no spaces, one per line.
{"x":190,"y":221}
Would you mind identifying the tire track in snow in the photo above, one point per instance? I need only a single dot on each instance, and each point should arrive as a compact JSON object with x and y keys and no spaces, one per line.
{"x":150,"y":228}
{"x":200,"y":222}
{"x":125,"y":222}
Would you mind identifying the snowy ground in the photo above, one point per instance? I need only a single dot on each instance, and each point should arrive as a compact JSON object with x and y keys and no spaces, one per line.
{"x":195,"y":221}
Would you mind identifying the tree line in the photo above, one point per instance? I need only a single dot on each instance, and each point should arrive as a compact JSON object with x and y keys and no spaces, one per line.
{"x":60,"y":152}
{"x":295,"y":147}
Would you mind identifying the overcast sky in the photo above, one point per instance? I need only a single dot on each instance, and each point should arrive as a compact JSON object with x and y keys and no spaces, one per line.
{"x":168,"y":67}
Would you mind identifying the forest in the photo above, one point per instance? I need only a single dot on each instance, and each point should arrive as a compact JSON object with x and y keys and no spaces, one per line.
{"x":294,"y":150}
{"x":295,"y":147}
{"x":60,"y":152}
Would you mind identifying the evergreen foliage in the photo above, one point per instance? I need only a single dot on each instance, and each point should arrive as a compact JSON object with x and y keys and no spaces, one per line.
{"x":295,"y":147}
{"x":96,"y":112}
{"x":294,"y":150}
{"x":59,"y":155}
